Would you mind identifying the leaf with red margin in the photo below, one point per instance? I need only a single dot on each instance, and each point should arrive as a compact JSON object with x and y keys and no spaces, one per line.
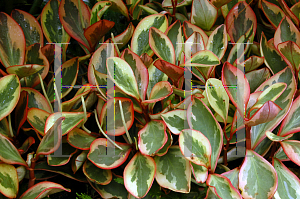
{"x":296,"y":10}
{"x":252,"y":186}
{"x":72,"y":120}
{"x":123,"y":38}
{"x":236,"y":86}
{"x":96,"y":31}
{"x":222,"y":187}
{"x":253,"y":62}
{"x":37,"y":119}
{"x":175,"y":120}
{"x":167,"y":145}
{"x":194,"y":44}
{"x":284,"y":101}
{"x":73,"y":21}
{"x":52,"y":139}
{"x":9,"y":185}
{"x":98,"y":10}
{"x":280,"y":155}
{"x":106,"y":156}
{"x":30,"y":26}
{"x":173,"y":71}
{"x":139,"y":175}
{"x":290,"y":52}
{"x":48,"y":50}
{"x":174,"y":33}
{"x":195,"y":147}
{"x":203,"y":58}
{"x":117,"y":122}
{"x":200,"y":118}
{"x":24,"y":70}
{"x":233,"y":176}
{"x":34,"y":55}
{"x":288,"y":12}
{"x":257,"y":77}
{"x":286,"y":178}
{"x":21,"y":110}
{"x":200,"y":172}
{"x":217,"y":42}
{"x":36,"y":99}
{"x":160,"y":91}
{"x":266,"y":113}
{"x":290,"y":124}
{"x":119,"y":6}
{"x":12,"y":42}
{"x":189,"y":29}
{"x":77,"y":161}
{"x":292,"y":149}
{"x":9,"y":94}
{"x":4,"y":128}
{"x":152,"y":137}
{"x":273,"y":13}
{"x":239,"y":20}
{"x":43,"y":189}
{"x":26,"y":145}
{"x":286,"y":31}
{"x":80,"y":139}
{"x":97,"y":175}
{"x":161,"y":45}
{"x":139,"y":69}
{"x":220,"y":3}
{"x":204,"y":14}
{"x":68,"y":152}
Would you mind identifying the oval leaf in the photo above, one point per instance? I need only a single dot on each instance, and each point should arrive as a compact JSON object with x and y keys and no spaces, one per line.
{"x":97,"y":175}
{"x":9,"y":184}
{"x":175,"y":120}
{"x":292,"y":150}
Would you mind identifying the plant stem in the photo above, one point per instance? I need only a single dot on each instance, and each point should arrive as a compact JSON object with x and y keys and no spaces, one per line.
{"x":124,"y":124}
{"x":58,"y":101}
{"x":108,"y":138}
{"x":116,"y":46}
{"x":248,"y":137}
{"x":45,"y":93}
{"x":85,"y":117}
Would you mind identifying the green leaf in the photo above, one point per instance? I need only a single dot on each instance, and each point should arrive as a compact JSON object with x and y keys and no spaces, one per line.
{"x":24,"y":70}
{"x":139,"y":175}
{"x":37,"y":119}
{"x":275,"y":138}
{"x":290,"y":52}
{"x":98,"y":10}
{"x":52,"y":139}
{"x":161,"y":45}
{"x":195,"y":147}
{"x":288,"y":182}
{"x":173,"y":171}
{"x":189,"y":29}
{"x":217,"y":97}
{"x":233,"y":176}
{"x":80,"y":139}
{"x":217,"y":42}
{"x":292,"y":150}
{"x":155,"y":76}
{"x":68,"y":152}
{"x":9,"y":94}
{"x":106,"y":156}
{"x":222,"y":186}
{"x":201,"y":119}
{"x":97,"y":175}
{"x":36,"y":100}
{"x":204,"y":14}
{"x":123,"y":76}
{"x":257,"y":77}
{"x":30,"y":26}
{"x":280,"y":155}
{"x":272,"y":12}
{"x":200,"y":172}
{"x":175,"y":120}
{"x":160,"y":91}
{"x":43,"y":189}
{"x":253,"y":63}
{"x":140,"y":37}
{"x":203,"y":58}
{"x":152,"y":137}
{"x":257,"y":177}
{"x":174,"y":33}
{"x":12,"y":42}
{"x":4,"y":128}
{"x":9,"y":184}
{"x":166,"y":147}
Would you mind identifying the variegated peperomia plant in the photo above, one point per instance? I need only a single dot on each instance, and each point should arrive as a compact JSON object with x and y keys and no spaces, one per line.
{"x":166,"y":99}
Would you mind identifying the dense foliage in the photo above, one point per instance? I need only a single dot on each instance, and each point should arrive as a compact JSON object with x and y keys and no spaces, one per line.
{"x":166,"y":99}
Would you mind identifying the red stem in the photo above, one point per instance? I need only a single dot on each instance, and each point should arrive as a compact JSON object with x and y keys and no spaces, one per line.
{"x":31,"y":173}
{"x":248,"y":137}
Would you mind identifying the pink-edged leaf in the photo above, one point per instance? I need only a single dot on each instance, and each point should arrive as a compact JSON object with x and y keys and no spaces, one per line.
{"x":290,"y":52}
{"x":253,"y":62}
{"x":174,"y":33}
{"x":43,"y":189}
{"x":106,"y":156}
{"x":139,"y":175}
{"x":9,"y":94}
{"x":195,"y":147}
{"x":290,"y":124}
{"x":194,"y":44}
{"x":203,"y":58}
{"x":30,"y":26}
{"x":276,"y":138}
{"x":257,"y":77}
{"x":75,"y":18}
{"x":117,"y":123}
{"x":236,"y":86}
{"x":37,"y":119}
{"x":292,"y":150}
{"x":239,"y":20}
{"x":252,"y":186}
{"x":200,"y":172}
{"x":161,"y":45}
{"x":280,"y":155}
{"x":222,"y":187}
{"x":92,"y":32}
{"x":288,"y":182}
{"x":9,"y":184}
{"x":26,"y":145}
{"x":80,"y":139}
{"x":139,"y":69}
{"x":200,"y":118}
{"x":152,"y":137}
{"x":52,"y":139}
{"x":284,"y":101}
{"x":175,"y":120}
{"x":273,"y":13}
{"x":12,"y":42}
{"x":233,"y":176}
{"x":286,"y":31}
{"x":217,"y":42}
{"x":123,"y":38}
{"x":189,"y":29}
{"x":296,"y":10}
{"x":68,"y":152}
{"x":174,"y":72}
{"x":160,"y":91}
{"x":97,"y":175}
{"x":21,"y":110}
{"x":24,"y":70}
{"x":288,"y":12}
